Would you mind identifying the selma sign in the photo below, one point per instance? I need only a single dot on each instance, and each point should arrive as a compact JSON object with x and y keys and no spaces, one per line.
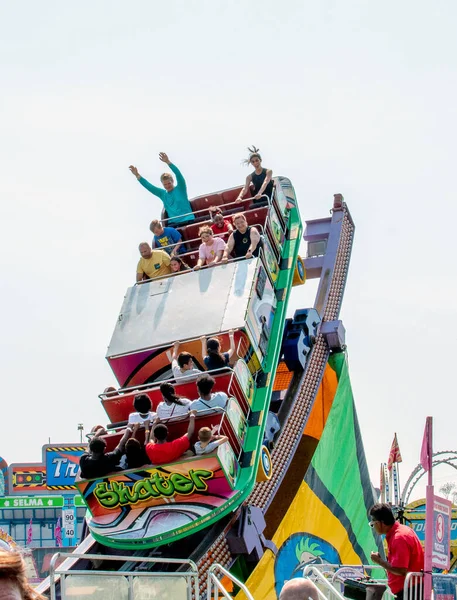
{"x":31,"y":502}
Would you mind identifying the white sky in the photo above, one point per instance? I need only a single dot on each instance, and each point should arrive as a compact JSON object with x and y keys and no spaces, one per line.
{"x":352,"y":96}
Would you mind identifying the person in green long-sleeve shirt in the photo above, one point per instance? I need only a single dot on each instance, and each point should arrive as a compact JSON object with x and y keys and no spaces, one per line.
{"x":174,"y":198}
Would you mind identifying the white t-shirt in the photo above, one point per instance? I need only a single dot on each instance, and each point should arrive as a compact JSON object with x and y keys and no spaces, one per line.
{"x":183,"y":375}
{"x":166,"y":411}
{"x":137,"y":418}
{"x":208,"y":448}
{"x":218,"y":400}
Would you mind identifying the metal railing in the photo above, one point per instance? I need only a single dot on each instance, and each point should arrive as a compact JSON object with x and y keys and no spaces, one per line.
{"x":214,"y":585}
{"x":413,"y":588}
{"x":127,"y":585}
{"x":324,"y":582}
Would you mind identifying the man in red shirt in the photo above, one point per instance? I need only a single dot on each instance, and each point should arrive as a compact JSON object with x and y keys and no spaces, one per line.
{"x":161,"y":451}
{"x":405,"y":553}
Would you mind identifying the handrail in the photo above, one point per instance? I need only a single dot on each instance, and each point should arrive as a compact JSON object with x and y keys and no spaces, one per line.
{"x":155,"y":384}
{"x":214,"y":583}
{"x":310,"y":569}
{"x":54,"y":570}
{"x":413,"y":580}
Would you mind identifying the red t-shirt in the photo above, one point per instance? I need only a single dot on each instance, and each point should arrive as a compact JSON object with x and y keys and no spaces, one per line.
{"x":405,"y":551}
{"x":224,"y":229}
{"x":159,"y":454}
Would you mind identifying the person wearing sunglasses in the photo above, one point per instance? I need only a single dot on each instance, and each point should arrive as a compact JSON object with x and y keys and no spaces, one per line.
{"x":405,"y":553}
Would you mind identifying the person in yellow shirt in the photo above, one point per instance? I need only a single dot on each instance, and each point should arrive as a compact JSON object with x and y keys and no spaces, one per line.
{"x":153,"y":263}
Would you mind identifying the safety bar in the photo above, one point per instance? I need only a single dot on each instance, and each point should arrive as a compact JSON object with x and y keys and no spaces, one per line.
{"x":206,"y":210}
{"x":214,"y":584}
{"x":169,"y":275}
{"x":144,"y":387}
{"x":188,"y":253}
{"x":191,"y":575}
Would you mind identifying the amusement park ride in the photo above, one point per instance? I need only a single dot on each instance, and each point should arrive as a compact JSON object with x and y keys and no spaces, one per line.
{"x":244,"y":505}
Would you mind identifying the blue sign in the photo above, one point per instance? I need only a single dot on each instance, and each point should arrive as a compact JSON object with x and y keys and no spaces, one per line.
{"x":442,"y":511}
{"x":444,"y":587}
{"x":62,"y":466}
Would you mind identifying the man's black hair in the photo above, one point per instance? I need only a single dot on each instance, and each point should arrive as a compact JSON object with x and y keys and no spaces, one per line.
{"x":382,"y":513}
{"x":205,"y":384}
{"x":161,"y":432}
{"x":142,"y":403}
{"x":97,"y":445}
{"x":184,"y":358}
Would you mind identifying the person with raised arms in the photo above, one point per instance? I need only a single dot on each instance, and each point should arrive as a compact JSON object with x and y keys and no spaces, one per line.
{"x":161,"y":451}
{"x":174,"y":197}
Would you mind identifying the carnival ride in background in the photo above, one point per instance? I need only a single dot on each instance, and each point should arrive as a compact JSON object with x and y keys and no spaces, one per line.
{"x":271,"y":500}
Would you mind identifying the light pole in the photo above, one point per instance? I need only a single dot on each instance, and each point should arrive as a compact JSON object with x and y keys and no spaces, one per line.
{"x":81,"y":429}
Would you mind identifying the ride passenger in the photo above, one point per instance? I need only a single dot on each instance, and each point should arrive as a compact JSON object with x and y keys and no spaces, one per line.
{"x":178,"y":265}
{"x":167,"y":238}
{"x":207,"y":441}
{"x":213,"y":357}
{"x":220,"y":225}
{"x":260,"y":179}
{"x":208,"y":400}
{"x":182,"y":365}
{"x":143,"y":415}
{"x":97,"y":462}
{"x":172,"y":405}
{"x":153,"y":263}
{"x":135,"y":454}
{"x":161,"y":451}
{"x":174,"y":198}
{"x":244,"y":241}
{"x":211,"y":249}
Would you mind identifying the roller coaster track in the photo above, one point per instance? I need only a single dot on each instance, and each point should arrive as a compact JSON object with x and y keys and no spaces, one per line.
{"x":292,"y":431}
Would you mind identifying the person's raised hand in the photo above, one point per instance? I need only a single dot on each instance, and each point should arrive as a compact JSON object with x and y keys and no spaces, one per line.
{"x":193,"y":413}
{"x":134,"y":170}
{"x":164,"y":157}
{"x":375,"y":557}
{"x":176,"y":345}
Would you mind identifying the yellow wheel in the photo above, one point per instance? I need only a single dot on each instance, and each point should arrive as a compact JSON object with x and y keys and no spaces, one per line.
{"x":299,"y":273}
{"x":265,"y":469}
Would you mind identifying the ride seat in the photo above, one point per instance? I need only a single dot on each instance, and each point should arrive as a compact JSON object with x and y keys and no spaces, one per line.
{"x":257,"y":216}
{"x":204,"y":202}
{"x":230,"y":196}
{"x":190,"y":232}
